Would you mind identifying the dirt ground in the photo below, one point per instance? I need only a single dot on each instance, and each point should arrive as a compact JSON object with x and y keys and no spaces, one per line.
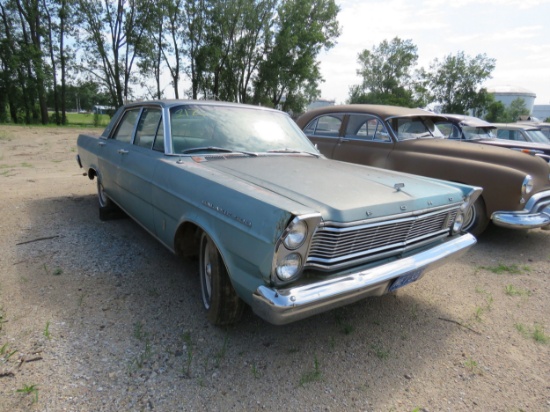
{"x":98,"y":316}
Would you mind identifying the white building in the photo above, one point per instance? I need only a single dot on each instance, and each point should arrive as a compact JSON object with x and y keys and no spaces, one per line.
{"x":506,"y":94}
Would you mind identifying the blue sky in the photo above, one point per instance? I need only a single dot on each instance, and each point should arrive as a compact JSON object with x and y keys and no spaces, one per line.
{"x":514,"y":32}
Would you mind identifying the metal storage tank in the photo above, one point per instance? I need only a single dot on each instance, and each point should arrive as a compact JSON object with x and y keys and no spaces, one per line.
{"x":507,"y":94}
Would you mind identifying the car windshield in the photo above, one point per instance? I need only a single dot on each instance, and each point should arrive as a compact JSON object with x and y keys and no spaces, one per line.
{"x":477,"y":133}
{"x":537,"y":136}
{"x":417,"y":127}
{"x":223,"y":129}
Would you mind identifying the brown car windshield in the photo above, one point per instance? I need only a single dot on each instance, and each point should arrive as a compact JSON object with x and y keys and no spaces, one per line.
{"x":414,"y":127}
{"x":212,"y":128}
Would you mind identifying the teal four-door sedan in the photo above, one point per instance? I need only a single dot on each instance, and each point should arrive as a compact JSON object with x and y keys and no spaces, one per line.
{"x":275,"y":224}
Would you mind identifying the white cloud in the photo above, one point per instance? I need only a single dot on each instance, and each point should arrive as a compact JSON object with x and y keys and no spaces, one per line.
{"x":514,"y":32}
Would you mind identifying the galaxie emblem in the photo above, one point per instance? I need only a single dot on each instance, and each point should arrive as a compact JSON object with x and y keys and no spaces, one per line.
{"x":227,"y":213}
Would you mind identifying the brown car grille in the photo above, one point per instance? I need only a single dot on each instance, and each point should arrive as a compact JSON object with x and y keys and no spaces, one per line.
{"x":333,"y":246}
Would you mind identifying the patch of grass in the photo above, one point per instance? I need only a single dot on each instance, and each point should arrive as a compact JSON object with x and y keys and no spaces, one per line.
{"x":139,"y":333}
{"x":312,"y":375}
{"x":537,"y":333}
{"x":472,"y":366}
{"x":5,"y":353}
{"x":189,"y":348}
{"x":4,"y":136}
{"x":25,"y":164}
{"x":255,"y":371}
{"x":28,"y":390}
{"x":510,"y":269}
{"x":380,"y":352}
{"x":480,"y":310}
{"x":46,"y":332}
{"x":222,"y":352}
{"x":511,"y":290}
{"x":57,"y":272}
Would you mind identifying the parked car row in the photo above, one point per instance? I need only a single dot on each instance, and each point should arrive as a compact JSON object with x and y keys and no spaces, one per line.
{"x":474,"y":130}
{"x":278,"y":226}
{"x":516,"y":187}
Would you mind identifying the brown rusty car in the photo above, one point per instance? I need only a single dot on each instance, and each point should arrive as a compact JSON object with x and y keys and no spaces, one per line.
{"x":516,"y":187}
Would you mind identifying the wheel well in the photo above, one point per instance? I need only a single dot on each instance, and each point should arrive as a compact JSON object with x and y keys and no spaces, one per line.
{"x":187,"y":240}
{"x":91,"y":174}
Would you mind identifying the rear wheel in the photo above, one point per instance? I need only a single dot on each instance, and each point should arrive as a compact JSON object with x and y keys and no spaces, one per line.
{"x":475,"y":218}
{"x":220,"y":300}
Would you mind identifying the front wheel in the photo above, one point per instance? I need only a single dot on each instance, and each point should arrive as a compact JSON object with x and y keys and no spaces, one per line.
{"x":104,"y":200}
{"x":220,"y":300}
{"x":475,"y":218}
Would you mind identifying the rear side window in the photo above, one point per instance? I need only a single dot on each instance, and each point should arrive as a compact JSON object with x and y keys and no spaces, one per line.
{"x":328,"y":126}
{"x":366,"y":127}
{"x":126,"y":127}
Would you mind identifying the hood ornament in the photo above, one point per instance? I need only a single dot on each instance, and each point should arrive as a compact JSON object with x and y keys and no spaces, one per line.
{"x":398,"y":186}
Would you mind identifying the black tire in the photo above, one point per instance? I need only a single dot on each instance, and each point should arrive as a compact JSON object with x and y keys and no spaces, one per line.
{"x":475,"y":219}
{"x":102,"y":197}
{"x":223,"y":306}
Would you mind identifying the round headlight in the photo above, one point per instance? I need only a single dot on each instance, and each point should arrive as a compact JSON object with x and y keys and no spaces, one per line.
{"x":289,"y":267}
{"x":296,"y":234}
{"x":527,"y":185}
{"x":459,"y":221}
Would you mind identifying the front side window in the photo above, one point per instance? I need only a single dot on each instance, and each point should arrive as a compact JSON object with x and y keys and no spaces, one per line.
{"x":537,"y":136}
{"x":507,"y":134}
{"x":147,"y":127}
{"x":366,"y":127}
{"x":126,"y":127}
{"x":328,"y":125}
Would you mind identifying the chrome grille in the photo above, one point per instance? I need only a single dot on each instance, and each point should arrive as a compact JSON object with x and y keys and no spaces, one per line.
{"x":332,"y":246}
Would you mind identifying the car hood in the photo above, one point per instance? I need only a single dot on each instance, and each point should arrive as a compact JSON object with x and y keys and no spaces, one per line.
{"x":340,"y":191}
{"x":515,"y":144}
{"x":501,"y":156}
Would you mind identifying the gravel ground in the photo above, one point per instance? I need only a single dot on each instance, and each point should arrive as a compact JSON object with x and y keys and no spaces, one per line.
{"x":98,"y":316}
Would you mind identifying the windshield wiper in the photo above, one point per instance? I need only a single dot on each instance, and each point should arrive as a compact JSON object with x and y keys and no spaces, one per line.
{"x":286,"y":150}
{"x":217,"y":149}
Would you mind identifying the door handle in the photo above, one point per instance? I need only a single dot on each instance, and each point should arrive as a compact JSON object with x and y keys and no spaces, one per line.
{"x":122,"y":151}
{"x":101,"y":143}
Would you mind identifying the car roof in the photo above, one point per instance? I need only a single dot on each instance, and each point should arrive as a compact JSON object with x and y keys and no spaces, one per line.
{"x":382,"y":111}
{"x":469,"y":121}
{"x":515,"y":126}
{"x":178,"y":102}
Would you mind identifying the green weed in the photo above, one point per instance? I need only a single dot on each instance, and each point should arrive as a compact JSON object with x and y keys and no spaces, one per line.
{"x":380,"y":352}
{"x":539,"y":335}
{"x":511,"y":269}
{"x":511,"y":290}
{"x":46,"y":332}
{"x":313,"y":375}
{"x":30,"y":389}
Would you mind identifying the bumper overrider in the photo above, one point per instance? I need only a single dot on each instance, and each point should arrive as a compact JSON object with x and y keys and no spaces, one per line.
{"x":536,"y":213}
{"x":281,"y":306}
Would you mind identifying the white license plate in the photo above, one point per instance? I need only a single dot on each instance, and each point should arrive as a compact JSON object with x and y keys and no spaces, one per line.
{"x":405,"y":279}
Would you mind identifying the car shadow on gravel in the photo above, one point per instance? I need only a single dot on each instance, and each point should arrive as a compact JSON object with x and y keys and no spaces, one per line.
{"x":128,"y":314}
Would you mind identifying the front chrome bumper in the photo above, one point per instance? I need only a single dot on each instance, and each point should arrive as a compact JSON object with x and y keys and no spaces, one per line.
{"x":281,"y":306}
{"x":536,"y":213}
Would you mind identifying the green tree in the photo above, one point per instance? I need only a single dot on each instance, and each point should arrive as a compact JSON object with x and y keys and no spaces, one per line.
{"x":289,"y":75}
{"x":386,"y":73}
{"x":456,"y":81}
{"x":114,"y":38}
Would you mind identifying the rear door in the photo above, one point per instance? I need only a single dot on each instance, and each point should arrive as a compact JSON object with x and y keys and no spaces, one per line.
{"x":365,"y":140}
{"x":324,"y":132}
{"x":137,"y":164}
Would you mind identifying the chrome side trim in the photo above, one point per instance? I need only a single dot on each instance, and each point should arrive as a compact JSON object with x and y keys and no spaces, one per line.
{"x":281,"y":306}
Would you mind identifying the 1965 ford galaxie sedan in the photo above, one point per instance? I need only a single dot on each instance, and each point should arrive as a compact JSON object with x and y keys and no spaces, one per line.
{"x":275,"y":225}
